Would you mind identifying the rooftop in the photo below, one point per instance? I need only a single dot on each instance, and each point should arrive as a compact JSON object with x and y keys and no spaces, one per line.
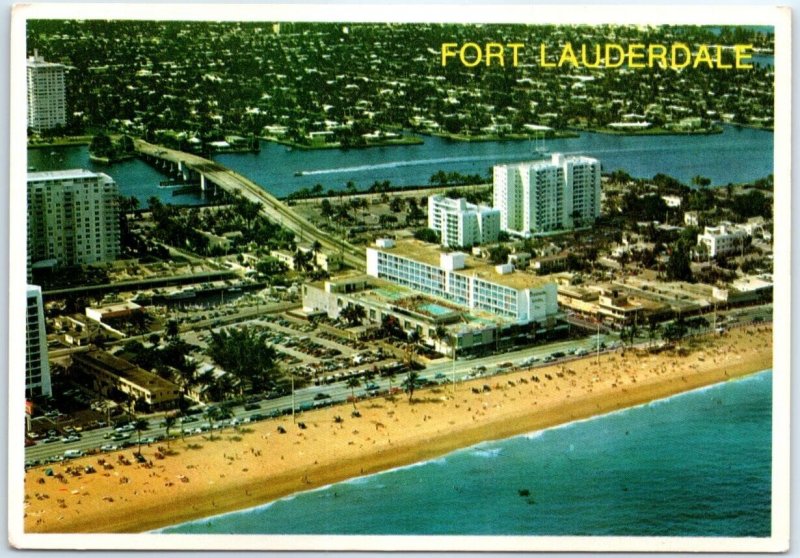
{"x":128,"y":371}
{"x":62,"y":174}
{"x":430,"y":254}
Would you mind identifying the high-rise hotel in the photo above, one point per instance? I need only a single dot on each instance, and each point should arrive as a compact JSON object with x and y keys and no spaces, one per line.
{"x":462,"y":224}
{"x":47,"y":105}
{"x":73,"y":217}
{"x":549,"y":195}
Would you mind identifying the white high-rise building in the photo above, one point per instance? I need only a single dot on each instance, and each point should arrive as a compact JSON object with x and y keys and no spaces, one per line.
{"x":559,"y":193}
{"x":47,"y":105}
{"x":73,"y":217}
{"x":462,"y":224}
{"x":37,"y":366}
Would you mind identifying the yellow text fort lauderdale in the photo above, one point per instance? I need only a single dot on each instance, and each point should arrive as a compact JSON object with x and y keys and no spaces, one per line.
{"x":608,"y":55}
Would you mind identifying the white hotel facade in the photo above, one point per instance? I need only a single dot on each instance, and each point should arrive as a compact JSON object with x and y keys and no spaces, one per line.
{"x":549,"y":195}
{"x":517,"y":297}
{"x":462,"y":224}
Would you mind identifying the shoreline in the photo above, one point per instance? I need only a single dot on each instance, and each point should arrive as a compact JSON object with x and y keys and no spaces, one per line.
{"x":467,"y":448}
{"x":256,"y":465}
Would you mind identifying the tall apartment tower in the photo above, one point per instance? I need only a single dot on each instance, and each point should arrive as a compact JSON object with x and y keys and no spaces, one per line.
{"x":553,"y":194}
{"x":47,"y":105}
{"x":73,"y":217}
{"x":37,"y":367}
{"x":462,"y":224}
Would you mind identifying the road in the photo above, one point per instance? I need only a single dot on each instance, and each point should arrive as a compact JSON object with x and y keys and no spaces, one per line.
{"x":272,"y":207}
{"x":446,"y":373}
{"x":337,"y":392}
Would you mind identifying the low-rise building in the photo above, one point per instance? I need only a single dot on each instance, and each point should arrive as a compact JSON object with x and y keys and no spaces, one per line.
{"x":721,"y":240}
{"x":109,"y":372}
{"x":113,"y":311}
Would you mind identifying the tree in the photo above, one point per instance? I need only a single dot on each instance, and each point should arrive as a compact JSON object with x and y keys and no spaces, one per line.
{"x":675,"y":330}
{"x":101,"y":146}
{"x":271,"y":266}
{"x":412,"y":339}
{"x":212,"y":415}
{"x":301,"y":260}
{"x":140,"y":425}
{"x":169,"y":422}
{"x":678,"y":267}
{"x":172,"y":329}
{"x":244,"y":353}
{"x":498,"y":255}
{"x":427,"y":235}
{"x":326,"y":209}
{"x":353,"y":383}
{"x":411,"y":383}
{"x":440,"y":333}
{"x":353,"y":313}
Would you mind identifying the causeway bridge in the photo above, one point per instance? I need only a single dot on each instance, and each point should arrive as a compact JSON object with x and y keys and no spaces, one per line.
{"x":212,"y":175}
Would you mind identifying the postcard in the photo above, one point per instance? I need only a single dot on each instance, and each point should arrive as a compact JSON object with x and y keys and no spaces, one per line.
{"x":362,"y":277}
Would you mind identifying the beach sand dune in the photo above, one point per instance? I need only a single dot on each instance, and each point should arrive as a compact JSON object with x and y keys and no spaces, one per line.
{"x":236,"y":469}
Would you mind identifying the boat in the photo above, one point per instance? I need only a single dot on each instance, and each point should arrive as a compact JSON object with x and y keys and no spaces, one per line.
{"x":300,"y":173}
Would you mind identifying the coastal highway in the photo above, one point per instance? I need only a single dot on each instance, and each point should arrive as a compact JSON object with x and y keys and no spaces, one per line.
{"x":271,"y":206}
{"x":444,"y":373}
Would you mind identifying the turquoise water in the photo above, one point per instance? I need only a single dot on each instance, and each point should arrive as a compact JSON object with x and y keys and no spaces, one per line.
{"x":435,"y":309}
{"x":698,"y":464}
{"x":736,"y":155}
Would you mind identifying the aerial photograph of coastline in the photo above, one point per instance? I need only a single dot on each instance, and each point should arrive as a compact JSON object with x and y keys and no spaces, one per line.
{"x":387,"y":278}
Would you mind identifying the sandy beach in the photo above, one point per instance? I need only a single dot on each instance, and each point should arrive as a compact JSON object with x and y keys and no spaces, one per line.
{"x":256,"y":464}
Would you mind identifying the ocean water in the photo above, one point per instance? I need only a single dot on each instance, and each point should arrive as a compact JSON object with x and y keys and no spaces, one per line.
{"x":697,"y":464}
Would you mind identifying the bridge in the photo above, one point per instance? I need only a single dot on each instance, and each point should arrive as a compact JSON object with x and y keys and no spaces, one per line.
{"x":212,"y":175}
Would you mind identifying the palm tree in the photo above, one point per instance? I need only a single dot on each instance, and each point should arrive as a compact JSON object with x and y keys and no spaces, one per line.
{"x":140,"y":425}
{"x":172,"y":329}
{"x":301,"y":260}
{"x":440,"y":333}
{"x":353,"y":383}
{"x":211,"y":414}
{"x":413,"y":339}
{"x":169,"y":422}
{"x":411,"y":383}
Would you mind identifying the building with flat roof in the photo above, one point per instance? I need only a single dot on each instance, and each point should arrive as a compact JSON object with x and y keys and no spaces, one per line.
{"x":548,"y":195}
{"x":721,"y":240}
{"x":73,"y":217}
{"x":465,"y":281}
{"x":109,"y":372}
{"x":37,"y":365}
{"x":47,"y":105}
{"x":413,"y":311}
{"x":462,"y":224}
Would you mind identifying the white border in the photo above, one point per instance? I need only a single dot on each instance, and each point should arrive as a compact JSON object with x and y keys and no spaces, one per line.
{"x":780,"y":18}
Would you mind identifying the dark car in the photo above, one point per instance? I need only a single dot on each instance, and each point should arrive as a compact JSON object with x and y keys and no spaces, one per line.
{"x":252,"y":407}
